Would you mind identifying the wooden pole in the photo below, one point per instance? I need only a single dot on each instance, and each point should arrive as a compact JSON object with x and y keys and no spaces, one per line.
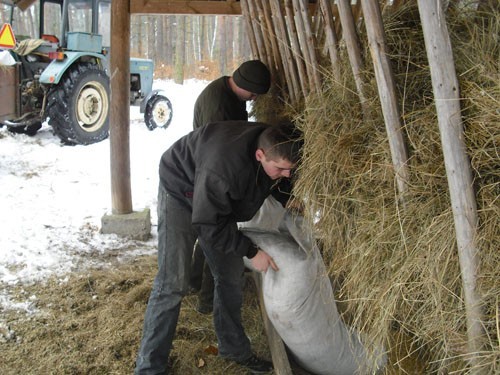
{"x":265,"y":36}
{"x":270,"y":31}
{"x":276,"y":345}
{"x":318,"y":25}
{"x":294,"y":43}
{"x":290,"y":71}
{"x":304,"y":44}
{"x":387,"y":92}
{"x":249,"y":27}
{"x":310,"y":44}
{"x":256,"y":30}
{"x":331,"y":37}
{"x":353,"y":49}
{"x":119,"y":117}
{"x":458,"y":170}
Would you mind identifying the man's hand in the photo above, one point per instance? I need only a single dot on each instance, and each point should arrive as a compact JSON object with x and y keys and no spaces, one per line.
{"x":262,"y":260}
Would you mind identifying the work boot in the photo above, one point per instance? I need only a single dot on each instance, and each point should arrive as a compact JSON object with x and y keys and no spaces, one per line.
{"x":257,"y":365}
{"x":204,"y":308}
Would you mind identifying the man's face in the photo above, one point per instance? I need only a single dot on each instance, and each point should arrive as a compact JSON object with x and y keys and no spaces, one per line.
{"x":245,"y":95}
{"x":275,"y":169}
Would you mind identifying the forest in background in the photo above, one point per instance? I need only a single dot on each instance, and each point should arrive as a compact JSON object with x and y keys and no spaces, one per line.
{"x":181,"y":46}
{"x":202,"y":47}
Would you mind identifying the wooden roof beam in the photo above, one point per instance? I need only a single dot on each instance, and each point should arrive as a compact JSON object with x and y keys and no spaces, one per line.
{"x":204,"y":7}
{"x":229,"y":7}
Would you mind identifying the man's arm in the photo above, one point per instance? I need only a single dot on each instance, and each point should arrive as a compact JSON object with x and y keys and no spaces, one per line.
{"x":213,"y":217}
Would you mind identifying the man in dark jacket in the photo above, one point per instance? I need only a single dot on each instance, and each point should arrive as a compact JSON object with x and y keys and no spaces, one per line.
{"x":222,"y":100}
{"x":210,"y":180}
{"x":226,"y":97}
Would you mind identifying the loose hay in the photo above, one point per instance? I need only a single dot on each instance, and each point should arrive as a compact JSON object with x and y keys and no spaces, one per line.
{"x":92,"y":324}
{"x":397,"y":266}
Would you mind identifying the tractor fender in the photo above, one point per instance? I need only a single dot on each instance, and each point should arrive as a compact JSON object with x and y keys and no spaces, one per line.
{"x":56,"y":69}
{"x":150,"y":96}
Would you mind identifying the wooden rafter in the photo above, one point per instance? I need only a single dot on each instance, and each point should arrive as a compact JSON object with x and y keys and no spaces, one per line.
{"x":228,"y":7}
{"x":208,"y":7}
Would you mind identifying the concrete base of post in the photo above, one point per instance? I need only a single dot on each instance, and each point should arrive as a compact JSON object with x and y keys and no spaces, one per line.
{"x":136,"y":225}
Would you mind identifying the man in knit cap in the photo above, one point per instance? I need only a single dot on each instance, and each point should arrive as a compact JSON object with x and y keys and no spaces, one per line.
{"x":225,"y":98}
{"x":222,"y":100}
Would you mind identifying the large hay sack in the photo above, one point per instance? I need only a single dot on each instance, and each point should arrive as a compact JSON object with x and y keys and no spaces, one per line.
{"x":299,"y":299}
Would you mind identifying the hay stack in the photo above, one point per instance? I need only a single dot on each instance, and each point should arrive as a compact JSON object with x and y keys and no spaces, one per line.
{"x":398,"y":267}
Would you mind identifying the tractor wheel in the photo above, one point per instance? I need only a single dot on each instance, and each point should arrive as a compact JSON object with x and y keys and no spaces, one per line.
{"x":158,"y":113}
{"x":78,"y":106}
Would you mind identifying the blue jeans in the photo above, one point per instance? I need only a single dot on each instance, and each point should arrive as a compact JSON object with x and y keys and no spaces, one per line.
{"x":176,"y":238}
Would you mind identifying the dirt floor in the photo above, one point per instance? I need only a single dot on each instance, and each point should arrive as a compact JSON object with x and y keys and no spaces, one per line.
{"x":91,"y":323}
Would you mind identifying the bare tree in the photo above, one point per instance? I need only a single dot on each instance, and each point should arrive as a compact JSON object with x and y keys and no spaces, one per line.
{"x":180,"y":49}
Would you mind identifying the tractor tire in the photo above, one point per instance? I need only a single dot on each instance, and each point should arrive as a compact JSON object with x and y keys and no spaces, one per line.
{"x":78,"y":107}
{"x":158,"y":112}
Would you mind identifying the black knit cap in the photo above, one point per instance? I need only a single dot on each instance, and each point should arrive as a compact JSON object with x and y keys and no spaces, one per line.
{"x":253,"y":76}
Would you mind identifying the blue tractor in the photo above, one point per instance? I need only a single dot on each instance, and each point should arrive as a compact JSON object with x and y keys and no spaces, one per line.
{"x":62,"y":75}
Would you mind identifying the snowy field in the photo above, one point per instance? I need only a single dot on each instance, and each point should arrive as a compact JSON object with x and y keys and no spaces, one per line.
{"x":53,"y":197}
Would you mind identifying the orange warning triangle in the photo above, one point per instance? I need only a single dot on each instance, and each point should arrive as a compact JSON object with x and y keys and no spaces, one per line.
{"x":7,"y":39}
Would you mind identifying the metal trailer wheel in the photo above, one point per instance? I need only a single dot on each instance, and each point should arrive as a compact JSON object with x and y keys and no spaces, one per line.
{"x":158,"y":113}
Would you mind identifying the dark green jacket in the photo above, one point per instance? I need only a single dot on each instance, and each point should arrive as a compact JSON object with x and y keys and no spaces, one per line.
{"x":217,"y":102}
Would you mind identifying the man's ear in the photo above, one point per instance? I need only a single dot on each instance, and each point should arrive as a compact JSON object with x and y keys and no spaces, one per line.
{"x":259,"y":154}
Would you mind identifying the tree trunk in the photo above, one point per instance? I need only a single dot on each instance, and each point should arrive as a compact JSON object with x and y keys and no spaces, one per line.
{"x":180,"y":50}
{"x":222,"y":45}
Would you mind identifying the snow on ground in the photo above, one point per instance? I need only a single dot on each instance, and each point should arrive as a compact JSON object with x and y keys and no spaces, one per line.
{"x":53,"y":197}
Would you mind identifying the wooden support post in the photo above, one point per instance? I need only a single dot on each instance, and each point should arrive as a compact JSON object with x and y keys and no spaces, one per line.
{"x":289,"y":67}
{"x":307,"y":44}
{"x":249,"y":27}
{"x":294,"y":42}
{"x":331,"y":41}
{"x":119,"y":117}
{"x":256,"y":30}
{"x":276,"y":345}
{"x":310,"y":45}
{"x":353,"y":49}
{"x":458,"y":169}
{"x":387,"y":92}
{"x":270,"y":31}
{"x":260,"y":20}
{"x":317,"y":24}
